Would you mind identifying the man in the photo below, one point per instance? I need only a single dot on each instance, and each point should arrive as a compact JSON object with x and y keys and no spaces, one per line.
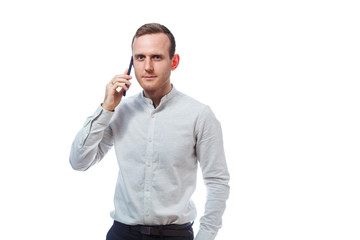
{"x":159,"y":136}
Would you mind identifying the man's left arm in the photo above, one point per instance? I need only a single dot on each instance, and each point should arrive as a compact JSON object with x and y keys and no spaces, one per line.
{"x":211,"y":156}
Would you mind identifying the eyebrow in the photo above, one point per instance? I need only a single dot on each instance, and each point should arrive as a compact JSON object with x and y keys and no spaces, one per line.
{"x":152,"y":55}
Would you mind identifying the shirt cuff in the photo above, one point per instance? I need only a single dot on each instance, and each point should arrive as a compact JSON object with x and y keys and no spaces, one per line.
{"x":103,"y":116}
{"x":106,"y":109}
{"x":203,"y":235}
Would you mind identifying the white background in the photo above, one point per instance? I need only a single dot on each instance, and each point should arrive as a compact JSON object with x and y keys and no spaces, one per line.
{"x":281,"y":76}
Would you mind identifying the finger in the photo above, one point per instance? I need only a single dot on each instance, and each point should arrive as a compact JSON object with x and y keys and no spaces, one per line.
{"x":119,"y":86}
{"x":120,"y":90}
{"x":120,"y":81}
{"x":124,"y":75}
{"x":121,"y":77}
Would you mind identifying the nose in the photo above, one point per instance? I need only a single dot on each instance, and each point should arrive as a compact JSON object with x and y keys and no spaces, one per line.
{"x":149,"y":65}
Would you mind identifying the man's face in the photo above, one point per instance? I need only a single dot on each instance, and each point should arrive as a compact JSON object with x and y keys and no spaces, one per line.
{"x":152,"y":62}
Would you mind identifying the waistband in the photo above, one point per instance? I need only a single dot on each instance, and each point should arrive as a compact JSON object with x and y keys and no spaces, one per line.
{"x":175,"y":230}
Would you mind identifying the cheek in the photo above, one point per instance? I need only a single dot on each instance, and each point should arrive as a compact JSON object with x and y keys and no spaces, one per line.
{"x":165,"y":69}
{"x":137,"y":75}
{"x":137,"y":70}
{"x":136,"y":66}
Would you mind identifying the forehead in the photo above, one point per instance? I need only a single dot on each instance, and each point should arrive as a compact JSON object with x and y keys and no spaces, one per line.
{"x":151,"y":43}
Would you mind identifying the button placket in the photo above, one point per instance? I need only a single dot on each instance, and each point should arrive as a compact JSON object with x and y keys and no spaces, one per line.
{"x":149,"y":171}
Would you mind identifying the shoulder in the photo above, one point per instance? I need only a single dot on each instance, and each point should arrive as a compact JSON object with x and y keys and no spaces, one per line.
{"x":202,"y":113}
{"x":128,"y":105}
{"x":190,"y":102}
{"x":129,"y":101}
{"x":202,"y":109}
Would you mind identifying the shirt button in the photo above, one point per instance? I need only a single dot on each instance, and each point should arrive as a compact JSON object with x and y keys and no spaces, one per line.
{"x":152,"y":116}
{"x":150,"y":140}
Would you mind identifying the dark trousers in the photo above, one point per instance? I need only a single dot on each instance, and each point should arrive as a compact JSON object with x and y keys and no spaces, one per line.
{"x":120,"y":231}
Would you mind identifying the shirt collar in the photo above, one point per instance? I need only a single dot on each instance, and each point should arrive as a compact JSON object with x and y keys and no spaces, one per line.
{"x":163,"y":100}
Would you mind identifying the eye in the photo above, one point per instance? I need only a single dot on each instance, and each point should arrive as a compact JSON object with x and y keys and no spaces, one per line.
{"x":140,"y":57}
{"x":157,"y":57}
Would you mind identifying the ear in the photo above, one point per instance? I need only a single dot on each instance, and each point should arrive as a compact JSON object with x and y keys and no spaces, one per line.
{"x":175,"y":62}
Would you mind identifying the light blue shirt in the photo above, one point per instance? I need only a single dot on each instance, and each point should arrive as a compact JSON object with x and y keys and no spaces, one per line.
{"x":158,"y":151}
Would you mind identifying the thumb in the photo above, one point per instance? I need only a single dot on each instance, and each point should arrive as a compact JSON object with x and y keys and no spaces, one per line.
{"x":126,"y":71}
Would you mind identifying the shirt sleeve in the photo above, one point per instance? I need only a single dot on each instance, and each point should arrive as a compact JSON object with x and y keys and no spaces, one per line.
{"x":211,"y":156}
{"x":93,"y":141}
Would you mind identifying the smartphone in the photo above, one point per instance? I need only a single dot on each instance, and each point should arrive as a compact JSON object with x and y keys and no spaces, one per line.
{"x":128,"y":73}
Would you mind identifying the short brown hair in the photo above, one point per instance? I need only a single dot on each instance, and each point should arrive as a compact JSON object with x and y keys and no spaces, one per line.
{"x":151,"y":28}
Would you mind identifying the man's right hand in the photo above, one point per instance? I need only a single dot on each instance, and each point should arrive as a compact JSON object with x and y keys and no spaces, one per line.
{"x":113,"y":97}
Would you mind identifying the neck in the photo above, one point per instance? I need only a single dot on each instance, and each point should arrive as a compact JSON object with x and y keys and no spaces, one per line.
{"x":156,"y":95}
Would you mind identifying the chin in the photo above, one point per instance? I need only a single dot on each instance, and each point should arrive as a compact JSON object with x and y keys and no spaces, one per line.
{"x":149,"y":86}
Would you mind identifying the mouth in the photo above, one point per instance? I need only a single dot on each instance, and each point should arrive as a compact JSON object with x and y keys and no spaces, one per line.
{"x":149,"y":77}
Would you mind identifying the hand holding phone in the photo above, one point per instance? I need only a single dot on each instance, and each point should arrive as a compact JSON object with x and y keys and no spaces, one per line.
{"x":113,"y":88}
